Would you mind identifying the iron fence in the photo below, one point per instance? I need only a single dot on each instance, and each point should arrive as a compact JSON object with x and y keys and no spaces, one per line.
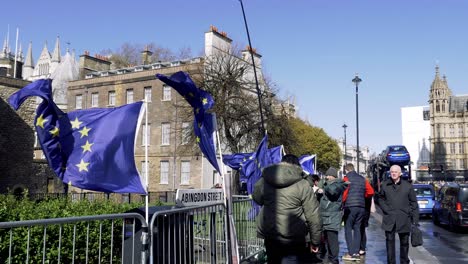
{"x":174,"y":235}
{"x":86,"y":239}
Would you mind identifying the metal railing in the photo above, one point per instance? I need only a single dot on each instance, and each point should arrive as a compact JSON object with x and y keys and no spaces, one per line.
{"x":87,"y":239}
{"x":245,"y":213}
{"x":174,"y":235}
{"x":189,"y":235}
{"x":165,"y":197}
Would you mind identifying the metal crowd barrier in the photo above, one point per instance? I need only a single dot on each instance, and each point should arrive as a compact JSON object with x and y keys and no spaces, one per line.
{"x":245,"y":213}
{"x":174,"y":235}
{"x":86,"y":239}
{"x":189,"y":235}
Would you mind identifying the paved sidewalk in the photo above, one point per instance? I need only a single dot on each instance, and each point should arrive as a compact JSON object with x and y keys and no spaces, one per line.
{"x":376,"y":251}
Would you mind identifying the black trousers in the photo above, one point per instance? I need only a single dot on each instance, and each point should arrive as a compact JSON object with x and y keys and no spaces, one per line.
{"x":279,"y":253}
{"x":333,"y":245}
{"x":404,"y":246}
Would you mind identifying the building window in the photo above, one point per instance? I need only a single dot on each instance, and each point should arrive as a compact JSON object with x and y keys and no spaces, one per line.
{"x":425,"y":115}
{"x":443,"y":106}
{"x":111,"y":98}
{"x":437,"y":107}
{"x":148,"y":94}
{"x":164,"y":172}
{"x":185,"y":172}
{"x":186,"y":131}
{"x":143,"y":168}
{"x":79,"y":102}
{"x":452,"y":130}
{"x":166,"y":93}
{"x":438,"y":131}
{"x":165,"y":132}
{"x":452,"y":148}
{"x":129,"y":96}
{"x":461,"y":148}
{"x":95,"y":100}
{"x":454,"y":163}
{"x":144,"y":136}
{"x":462,"y":163}
{"x":460,"y":130}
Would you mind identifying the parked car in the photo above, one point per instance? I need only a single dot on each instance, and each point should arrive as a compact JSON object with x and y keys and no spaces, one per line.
{"x":396,"y":154}
{"x":425,"y":195}
{"x":451,"y":205}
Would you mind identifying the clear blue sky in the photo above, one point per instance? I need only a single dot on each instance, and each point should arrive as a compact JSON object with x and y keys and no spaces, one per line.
{"x":310,"y":49}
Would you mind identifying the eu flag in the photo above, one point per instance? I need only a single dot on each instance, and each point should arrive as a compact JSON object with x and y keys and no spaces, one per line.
{"x":234,"y":161}
{"x":91,"y":149}
{"x":308,"y":163}
{"x":252,"y":168}
{"x":201,"y":101}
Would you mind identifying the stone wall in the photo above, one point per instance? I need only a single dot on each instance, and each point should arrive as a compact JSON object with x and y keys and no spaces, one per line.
{"x":18,"y":171}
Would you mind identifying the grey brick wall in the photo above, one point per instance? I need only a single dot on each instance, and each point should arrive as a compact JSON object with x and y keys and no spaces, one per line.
{"x":17,"y":169}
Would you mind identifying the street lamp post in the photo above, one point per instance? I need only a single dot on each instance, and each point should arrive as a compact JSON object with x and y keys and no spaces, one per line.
{"x":344,"y":144}
{"x":356,"y":81}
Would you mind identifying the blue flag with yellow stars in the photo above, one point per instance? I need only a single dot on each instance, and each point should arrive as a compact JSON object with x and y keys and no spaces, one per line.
{"x":201,"y":101}
{"x":252,"y":168}
{"x":234,"y":161}
{"x":92,"y":149}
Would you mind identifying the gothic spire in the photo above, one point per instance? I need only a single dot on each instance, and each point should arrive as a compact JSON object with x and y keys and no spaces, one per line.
{"x":56,"y":52}
{"x":29,"y":58}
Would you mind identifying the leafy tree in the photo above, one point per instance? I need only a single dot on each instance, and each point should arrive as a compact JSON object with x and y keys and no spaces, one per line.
{"x":313,"y":140}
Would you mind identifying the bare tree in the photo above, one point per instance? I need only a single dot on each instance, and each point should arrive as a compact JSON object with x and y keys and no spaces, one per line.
{"x":130,"y":54}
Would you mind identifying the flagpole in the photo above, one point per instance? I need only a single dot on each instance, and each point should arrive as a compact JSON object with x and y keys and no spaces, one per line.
{"x":227,"y":200}
{"x":146,"y":161}
{"x":254,"y":68}
{"x":16,"y":53}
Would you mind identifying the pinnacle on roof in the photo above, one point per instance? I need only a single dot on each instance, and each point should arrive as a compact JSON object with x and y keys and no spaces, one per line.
{"x":438,"y":83}
{"x":29,"y":58}
{"x":56,"y":52}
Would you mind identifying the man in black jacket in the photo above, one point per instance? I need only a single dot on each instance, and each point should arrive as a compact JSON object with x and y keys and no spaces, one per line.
{"x":399,"y":205}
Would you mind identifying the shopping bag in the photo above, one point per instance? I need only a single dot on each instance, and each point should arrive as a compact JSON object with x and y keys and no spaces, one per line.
{"x":416,"y":236}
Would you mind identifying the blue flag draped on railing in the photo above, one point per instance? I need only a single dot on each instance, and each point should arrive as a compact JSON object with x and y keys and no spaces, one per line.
{"x":201,"y":101}
{"x":92,"y":149}
{"x":308,"y":163}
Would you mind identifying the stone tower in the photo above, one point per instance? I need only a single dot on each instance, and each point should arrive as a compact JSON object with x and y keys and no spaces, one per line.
{"x":439,"y":112}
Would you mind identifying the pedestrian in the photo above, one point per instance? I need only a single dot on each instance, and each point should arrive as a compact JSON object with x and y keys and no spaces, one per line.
{"x":332,"y":213}
{"x":354,"y":209}
{"x":364,"y":225}
{"x":289,"y":221}
{"x":399,"y":205}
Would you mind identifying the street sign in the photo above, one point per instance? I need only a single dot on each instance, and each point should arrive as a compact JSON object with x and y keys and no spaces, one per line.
{"x":192,"y":197}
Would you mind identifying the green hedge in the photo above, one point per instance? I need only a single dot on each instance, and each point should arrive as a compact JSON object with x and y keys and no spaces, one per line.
{"x":13,"y":208}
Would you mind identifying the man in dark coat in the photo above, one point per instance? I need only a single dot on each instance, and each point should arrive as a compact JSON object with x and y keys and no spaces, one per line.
{"x":289,"y":218}
{"x":331,"y":212}
{"x":354,"y":210}
{"x":399,"y":205}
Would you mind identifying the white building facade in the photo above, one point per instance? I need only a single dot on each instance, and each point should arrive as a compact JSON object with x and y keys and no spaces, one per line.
{"x":415,"y":133}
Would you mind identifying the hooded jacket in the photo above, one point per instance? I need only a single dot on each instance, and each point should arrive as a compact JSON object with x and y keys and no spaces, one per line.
{"x":290,"y":210}
{"x":330,"y":204}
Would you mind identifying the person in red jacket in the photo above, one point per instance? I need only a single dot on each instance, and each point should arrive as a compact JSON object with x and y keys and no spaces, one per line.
{"x":354,"y":203}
